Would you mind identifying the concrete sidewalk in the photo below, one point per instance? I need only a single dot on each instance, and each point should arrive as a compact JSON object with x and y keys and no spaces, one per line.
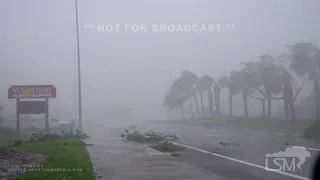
{"x":114,"y":159}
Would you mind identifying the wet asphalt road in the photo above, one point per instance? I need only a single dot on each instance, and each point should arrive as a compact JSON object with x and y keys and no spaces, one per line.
{"x":247,"y":148}
{"x":244,"y":145}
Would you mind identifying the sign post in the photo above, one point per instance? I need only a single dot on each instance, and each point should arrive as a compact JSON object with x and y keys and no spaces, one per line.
{"x":18,"y":118}
{"x":19,"y":92}
{"x":47,"y":115}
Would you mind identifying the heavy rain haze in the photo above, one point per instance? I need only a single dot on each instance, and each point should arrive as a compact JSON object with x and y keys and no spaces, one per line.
{"x":241,"y":85}
{"x":135,"y":69}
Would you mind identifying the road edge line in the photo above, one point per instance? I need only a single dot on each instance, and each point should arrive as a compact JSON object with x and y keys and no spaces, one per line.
{"x":240,"y":161}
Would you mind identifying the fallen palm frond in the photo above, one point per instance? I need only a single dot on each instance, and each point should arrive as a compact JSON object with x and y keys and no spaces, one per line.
{"x":147,"y":137}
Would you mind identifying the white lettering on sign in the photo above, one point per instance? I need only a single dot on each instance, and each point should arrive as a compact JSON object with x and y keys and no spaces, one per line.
{"x":32,"y":91}
{"x":36,"y":90}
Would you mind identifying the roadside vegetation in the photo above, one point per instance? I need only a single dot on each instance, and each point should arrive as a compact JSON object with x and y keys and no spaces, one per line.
{"x":265,"y":80}
{"x":38,"y":155}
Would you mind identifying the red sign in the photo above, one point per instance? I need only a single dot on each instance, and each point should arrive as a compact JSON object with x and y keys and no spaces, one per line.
{"x":32,"y":91}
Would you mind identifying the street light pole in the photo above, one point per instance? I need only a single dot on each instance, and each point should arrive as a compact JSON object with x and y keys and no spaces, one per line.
{"x":79,"y":67}
{"x":75,"y":86}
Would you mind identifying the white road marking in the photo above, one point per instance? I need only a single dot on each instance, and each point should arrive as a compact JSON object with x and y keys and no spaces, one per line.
{"x":243,"y":162}
{"x":264,"y":131}
{"x":277,"y":133}
{"x":214,"y":135}
{"x":306,"y":148}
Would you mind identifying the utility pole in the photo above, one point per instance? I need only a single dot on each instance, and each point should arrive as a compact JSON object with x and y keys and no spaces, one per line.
{"x":75,"y":85}
{"x":79,"y":67}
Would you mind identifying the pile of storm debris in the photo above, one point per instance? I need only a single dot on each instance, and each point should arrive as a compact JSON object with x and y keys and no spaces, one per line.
{"x":14,"y":164}
{"x":147,"y":137}
{"x":159,"y":141}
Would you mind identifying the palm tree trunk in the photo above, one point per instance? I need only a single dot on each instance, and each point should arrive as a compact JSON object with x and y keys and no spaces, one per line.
{"x":290,"y":112}
{"x":182,"y":112}
{"x":197,"y":105}
{"x":286,"y":109}
{"x":230,"y":104}
{"x":210,"y":96}
{"x":263,"y":107}
{"x":245,"y":101}
{"x":269,"y":105}
{"x":202,"y":105}
{"x":216,"y":91}
{"x":190,"y":100}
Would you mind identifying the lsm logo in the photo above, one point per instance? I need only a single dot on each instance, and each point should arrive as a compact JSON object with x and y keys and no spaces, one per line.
{"x":289,"y":160}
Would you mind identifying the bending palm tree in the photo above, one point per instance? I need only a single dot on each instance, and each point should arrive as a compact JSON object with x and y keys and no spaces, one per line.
{"x":220,"y":84}
{"x":205,"y":84}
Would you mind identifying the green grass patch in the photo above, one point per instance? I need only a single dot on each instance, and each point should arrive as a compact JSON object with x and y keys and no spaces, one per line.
{"x":66,"y":159}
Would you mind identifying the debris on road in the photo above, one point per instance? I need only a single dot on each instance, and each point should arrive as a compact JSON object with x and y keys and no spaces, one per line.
{"x":227,"y":144}
{"x":147,"y":137}
{"x":167,"y":147}
{"x":288,"y":144}
{"x":175,"y":155}
{"x":224,"y":143}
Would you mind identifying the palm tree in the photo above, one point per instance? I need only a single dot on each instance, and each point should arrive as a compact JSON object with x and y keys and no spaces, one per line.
{"x":190,"y":95}
{"x":306,"y":61}
{"x":204,"y":84}
{"x":218,"y":86}
{"x":252,"y":83}
{"x":194,"y":94}
{"x":234,"y":87}
{"x":292,"y":86}
{"x":173,"y":102}
{"x":272,"y":79}
{"x":181,"y":88}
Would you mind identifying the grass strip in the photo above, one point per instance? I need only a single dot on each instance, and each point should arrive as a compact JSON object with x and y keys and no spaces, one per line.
{"x":66,"y":159}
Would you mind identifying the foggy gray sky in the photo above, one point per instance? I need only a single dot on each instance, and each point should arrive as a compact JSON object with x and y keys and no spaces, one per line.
{"x":135,"y":69}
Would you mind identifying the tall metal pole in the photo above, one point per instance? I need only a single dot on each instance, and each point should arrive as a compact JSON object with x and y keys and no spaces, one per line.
{"x":79,"y":67}
{"x":75,"y":87}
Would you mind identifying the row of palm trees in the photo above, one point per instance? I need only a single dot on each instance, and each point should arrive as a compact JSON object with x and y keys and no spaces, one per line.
{"x":266,"y":79}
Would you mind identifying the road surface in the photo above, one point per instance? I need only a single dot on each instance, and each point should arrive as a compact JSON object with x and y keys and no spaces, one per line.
{"x":232,"y":153}
{"x":238,"y":154}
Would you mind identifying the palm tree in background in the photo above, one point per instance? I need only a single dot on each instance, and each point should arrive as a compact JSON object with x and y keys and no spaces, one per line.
{"x":181,"y":89}
{"x":292,"y":86}
{"x":218,"y":86}
{"x":272,"y":79}
{"x":265,"y":79}
{"x":194,"y":94}
{"x":306,"y":61}
{"x":205,"y":83}
{"x":252,"y":84}
{"x":234,"y":87}
{"x":173,"y":102}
